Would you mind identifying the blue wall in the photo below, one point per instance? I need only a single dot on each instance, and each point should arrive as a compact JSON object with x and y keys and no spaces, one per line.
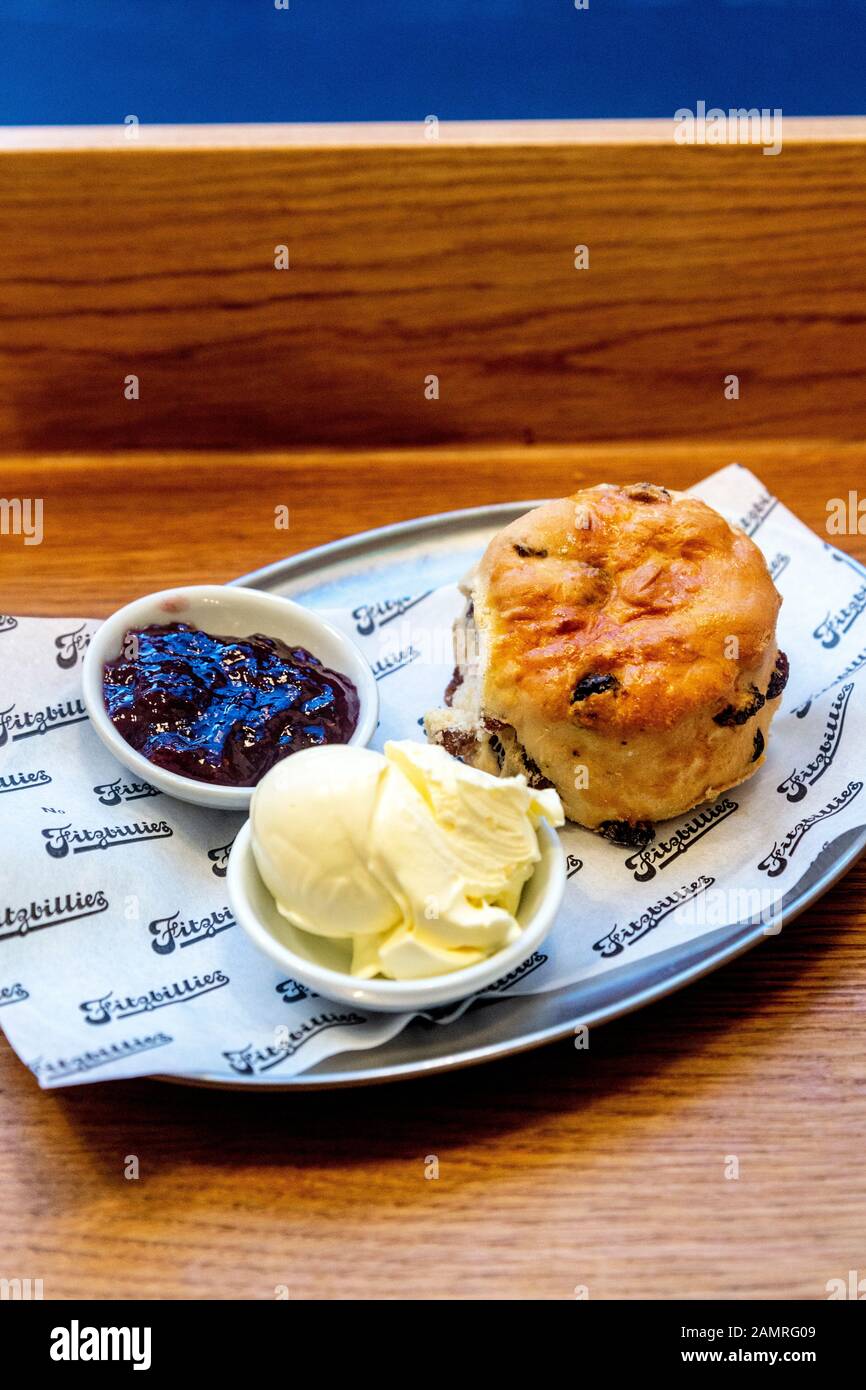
{"x":84,"y":61}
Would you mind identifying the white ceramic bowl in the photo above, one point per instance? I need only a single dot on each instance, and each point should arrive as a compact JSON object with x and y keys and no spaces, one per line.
{"x":322,"y":963}
{"x":234,"y":612}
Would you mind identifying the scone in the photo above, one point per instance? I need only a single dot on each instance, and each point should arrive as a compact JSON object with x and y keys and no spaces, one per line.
{"x":619,"y":645}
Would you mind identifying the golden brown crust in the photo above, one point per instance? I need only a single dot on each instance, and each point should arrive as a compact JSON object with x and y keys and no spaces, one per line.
{"x":622,"y":609}
{"x":619,"y":644}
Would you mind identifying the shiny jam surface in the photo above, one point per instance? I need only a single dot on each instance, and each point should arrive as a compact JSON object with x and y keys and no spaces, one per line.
{"x":223,"y":709}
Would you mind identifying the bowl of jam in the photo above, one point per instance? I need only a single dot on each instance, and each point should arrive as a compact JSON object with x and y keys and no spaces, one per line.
{"x":201,"y":690}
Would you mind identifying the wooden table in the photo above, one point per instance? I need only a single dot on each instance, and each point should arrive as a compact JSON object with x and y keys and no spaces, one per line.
{"x":559,"y":1168}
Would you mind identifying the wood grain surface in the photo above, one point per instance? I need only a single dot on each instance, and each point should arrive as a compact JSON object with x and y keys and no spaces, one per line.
{"x":558,"y":1169}
{"x":414,"y":258}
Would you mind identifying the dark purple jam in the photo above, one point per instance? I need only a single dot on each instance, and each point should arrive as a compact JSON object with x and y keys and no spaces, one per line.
{"x":223,"y":709}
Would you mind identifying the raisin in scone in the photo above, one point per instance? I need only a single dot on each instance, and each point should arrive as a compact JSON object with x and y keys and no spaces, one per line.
{"x":619,"y":645}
